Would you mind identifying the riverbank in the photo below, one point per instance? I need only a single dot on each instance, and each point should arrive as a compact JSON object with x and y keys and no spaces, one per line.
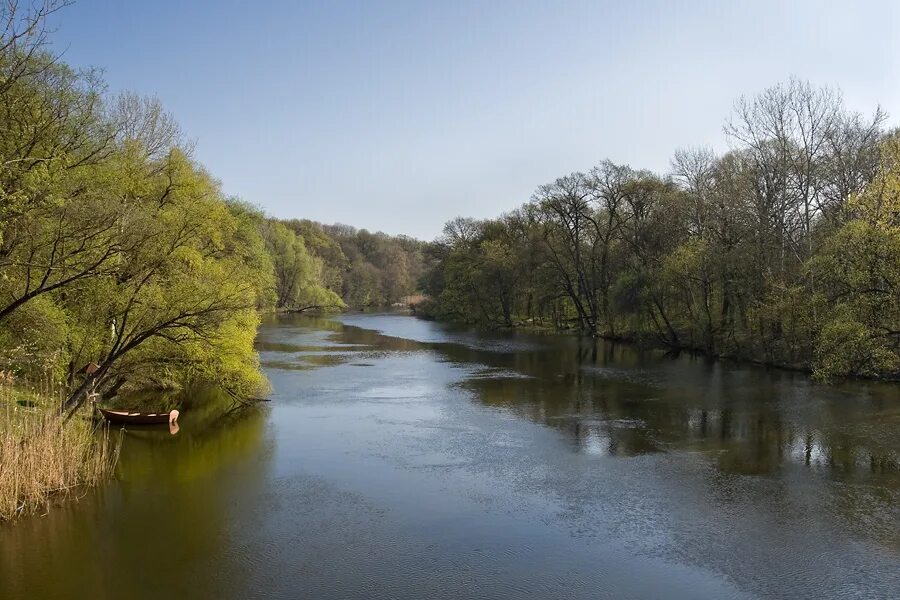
{"x":42,"y":458}
{"x":648,"y":341}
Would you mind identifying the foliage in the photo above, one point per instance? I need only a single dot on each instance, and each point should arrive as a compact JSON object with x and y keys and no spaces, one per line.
{"x":858,"y":269}
{"x":377,"y":269}
{"x":117,"y":247}
{"x":363,"y":269}
{"x":784,"y":250}
{"x":298,"y":273}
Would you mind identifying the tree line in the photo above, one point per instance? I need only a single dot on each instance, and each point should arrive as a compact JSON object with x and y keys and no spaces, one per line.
{"x":359,"y":269}
{"x":784,"y":250}
{"x":120,"y":251}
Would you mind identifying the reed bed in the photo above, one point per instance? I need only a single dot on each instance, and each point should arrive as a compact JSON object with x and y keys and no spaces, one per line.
{"x":43,"y":459}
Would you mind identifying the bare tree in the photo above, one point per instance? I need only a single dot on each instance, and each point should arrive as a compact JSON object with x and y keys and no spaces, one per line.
{"x":23,"y":39}
{"x":694,"y":169}
{"x":853,"y":159}
{"x":143,"y":119}
{"x":566,"y":211}
{"x":810,"y":155}
{"x":608,"y":182}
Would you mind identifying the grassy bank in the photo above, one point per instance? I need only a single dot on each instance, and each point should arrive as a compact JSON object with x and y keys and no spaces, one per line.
{"x":43,"y":459}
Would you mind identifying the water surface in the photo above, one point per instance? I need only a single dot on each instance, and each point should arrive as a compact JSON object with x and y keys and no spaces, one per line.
{"x":406,"y":459}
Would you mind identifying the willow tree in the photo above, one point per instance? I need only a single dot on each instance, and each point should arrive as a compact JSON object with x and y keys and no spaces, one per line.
{"x":53,"y":229}
{"x":298,"y":274}
{"x":185,"y":286}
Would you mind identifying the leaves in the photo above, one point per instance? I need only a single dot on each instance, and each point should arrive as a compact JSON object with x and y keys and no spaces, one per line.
{"x":784,"y":250}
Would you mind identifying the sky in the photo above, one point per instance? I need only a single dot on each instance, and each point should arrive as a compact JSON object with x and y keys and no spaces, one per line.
{"x":399,"y":116}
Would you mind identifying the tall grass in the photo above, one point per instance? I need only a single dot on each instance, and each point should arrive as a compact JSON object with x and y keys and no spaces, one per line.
{"x":43,"y":459}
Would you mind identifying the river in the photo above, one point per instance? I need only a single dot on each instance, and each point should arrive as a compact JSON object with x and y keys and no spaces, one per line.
{"x":401,"y":458}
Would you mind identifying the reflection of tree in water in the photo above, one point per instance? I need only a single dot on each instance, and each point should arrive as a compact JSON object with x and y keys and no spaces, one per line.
{"x":749,"y":422}
{"x":618,"y":399}
{"x":189,"y":487}
{"x":322,"y":343}
{"x":615,"y":400}
{"x":216,"y":431}
{"x":203,"y":474}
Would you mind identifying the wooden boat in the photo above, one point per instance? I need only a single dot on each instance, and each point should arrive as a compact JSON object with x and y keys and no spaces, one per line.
{"x":138,"y":418}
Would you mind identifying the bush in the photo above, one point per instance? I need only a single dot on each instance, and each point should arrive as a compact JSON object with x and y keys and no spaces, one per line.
{"x":846,"y":347}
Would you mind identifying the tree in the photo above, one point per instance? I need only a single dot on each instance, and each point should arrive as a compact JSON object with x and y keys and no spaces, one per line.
{"x":187,"y":277}
{"x":570,"y":236}
{"x":859,"y":273}
{"x":298,"y":274}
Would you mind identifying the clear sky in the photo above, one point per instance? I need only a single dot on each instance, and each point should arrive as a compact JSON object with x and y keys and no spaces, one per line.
{"x":398,"y":116}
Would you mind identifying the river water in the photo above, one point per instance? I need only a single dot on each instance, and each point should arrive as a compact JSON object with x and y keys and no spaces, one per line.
{"x":401,"y":458}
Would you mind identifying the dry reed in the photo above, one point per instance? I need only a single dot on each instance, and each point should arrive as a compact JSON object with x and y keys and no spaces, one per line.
{"x":43,"y":459}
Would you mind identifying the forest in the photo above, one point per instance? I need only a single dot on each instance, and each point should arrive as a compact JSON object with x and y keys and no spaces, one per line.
{"x":784,"y":250}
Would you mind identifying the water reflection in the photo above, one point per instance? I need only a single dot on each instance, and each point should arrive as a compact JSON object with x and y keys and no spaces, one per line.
{"x":616,"y":400}
{"x":168,"y":511}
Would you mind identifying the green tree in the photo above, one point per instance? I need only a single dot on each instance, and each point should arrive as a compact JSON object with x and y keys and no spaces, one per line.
{"x":298,"y":274}
{"x":858,"y":271}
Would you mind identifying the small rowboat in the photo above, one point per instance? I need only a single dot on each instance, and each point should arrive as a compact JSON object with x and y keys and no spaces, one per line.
{"x":138,"y":418}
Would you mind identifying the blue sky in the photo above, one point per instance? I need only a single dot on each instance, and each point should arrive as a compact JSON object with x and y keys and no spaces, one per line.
{"x":398,"y":116}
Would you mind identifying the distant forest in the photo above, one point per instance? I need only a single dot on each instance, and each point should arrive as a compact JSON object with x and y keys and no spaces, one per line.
{"x":784,"y":250}
{"x":359,"y":269}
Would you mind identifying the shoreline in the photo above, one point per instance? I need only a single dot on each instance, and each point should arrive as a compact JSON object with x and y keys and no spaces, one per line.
{"x":649,"y":344}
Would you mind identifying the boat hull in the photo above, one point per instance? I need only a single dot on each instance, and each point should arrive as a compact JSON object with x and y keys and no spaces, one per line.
{"x":138,"y":418}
